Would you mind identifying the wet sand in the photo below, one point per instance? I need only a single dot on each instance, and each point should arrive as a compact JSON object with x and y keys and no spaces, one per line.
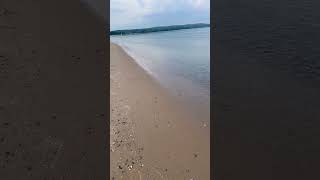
{"x":152,"y":136}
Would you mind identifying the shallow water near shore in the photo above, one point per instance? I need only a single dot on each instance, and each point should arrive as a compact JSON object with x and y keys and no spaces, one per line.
{"x":179,"y":60}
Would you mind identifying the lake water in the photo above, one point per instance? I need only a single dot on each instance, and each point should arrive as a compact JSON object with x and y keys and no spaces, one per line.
{"x":179,"y":60}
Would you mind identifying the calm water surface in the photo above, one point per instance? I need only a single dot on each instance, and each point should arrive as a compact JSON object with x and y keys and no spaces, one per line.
{"x":179,"y":60}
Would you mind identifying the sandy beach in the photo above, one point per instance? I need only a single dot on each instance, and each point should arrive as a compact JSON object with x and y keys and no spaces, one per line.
{"x":152,"y":135}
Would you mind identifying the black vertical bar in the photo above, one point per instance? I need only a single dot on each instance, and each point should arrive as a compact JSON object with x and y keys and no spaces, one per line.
{"x":54,"y":100}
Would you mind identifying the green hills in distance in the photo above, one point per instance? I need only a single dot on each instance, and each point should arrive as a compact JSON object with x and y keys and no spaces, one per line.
{"x":158,"y":29}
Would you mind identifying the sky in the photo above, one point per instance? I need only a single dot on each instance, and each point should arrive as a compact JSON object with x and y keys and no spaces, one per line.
{"x":128,"y":14}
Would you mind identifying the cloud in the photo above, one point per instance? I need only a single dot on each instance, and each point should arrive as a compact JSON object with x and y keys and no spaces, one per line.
{"x":201,"y":3}
{"x":127,"y":13}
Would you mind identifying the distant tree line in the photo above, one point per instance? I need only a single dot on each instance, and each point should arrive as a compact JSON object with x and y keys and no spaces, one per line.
{"x":158,"y":29}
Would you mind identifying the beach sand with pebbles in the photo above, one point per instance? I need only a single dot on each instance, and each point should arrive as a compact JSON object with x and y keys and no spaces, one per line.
{"x":152,"y":135}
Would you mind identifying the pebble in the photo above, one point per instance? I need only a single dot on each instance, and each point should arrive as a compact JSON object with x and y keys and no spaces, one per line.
{"x":204,"y":124}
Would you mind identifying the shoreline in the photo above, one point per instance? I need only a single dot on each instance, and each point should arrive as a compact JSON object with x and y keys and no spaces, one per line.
{"x":151,"y":134}
{"x":198,"y":105}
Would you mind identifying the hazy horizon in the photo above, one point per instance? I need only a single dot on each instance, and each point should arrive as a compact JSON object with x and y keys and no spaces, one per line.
{"x":160,"y":26}
{"x":137,"y":14}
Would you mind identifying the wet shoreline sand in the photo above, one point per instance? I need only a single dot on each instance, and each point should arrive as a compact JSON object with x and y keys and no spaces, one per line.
{"x":151,"y":134}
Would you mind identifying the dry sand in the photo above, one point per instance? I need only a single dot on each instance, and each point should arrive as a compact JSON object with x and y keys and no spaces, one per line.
{"x":152,"y":136}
